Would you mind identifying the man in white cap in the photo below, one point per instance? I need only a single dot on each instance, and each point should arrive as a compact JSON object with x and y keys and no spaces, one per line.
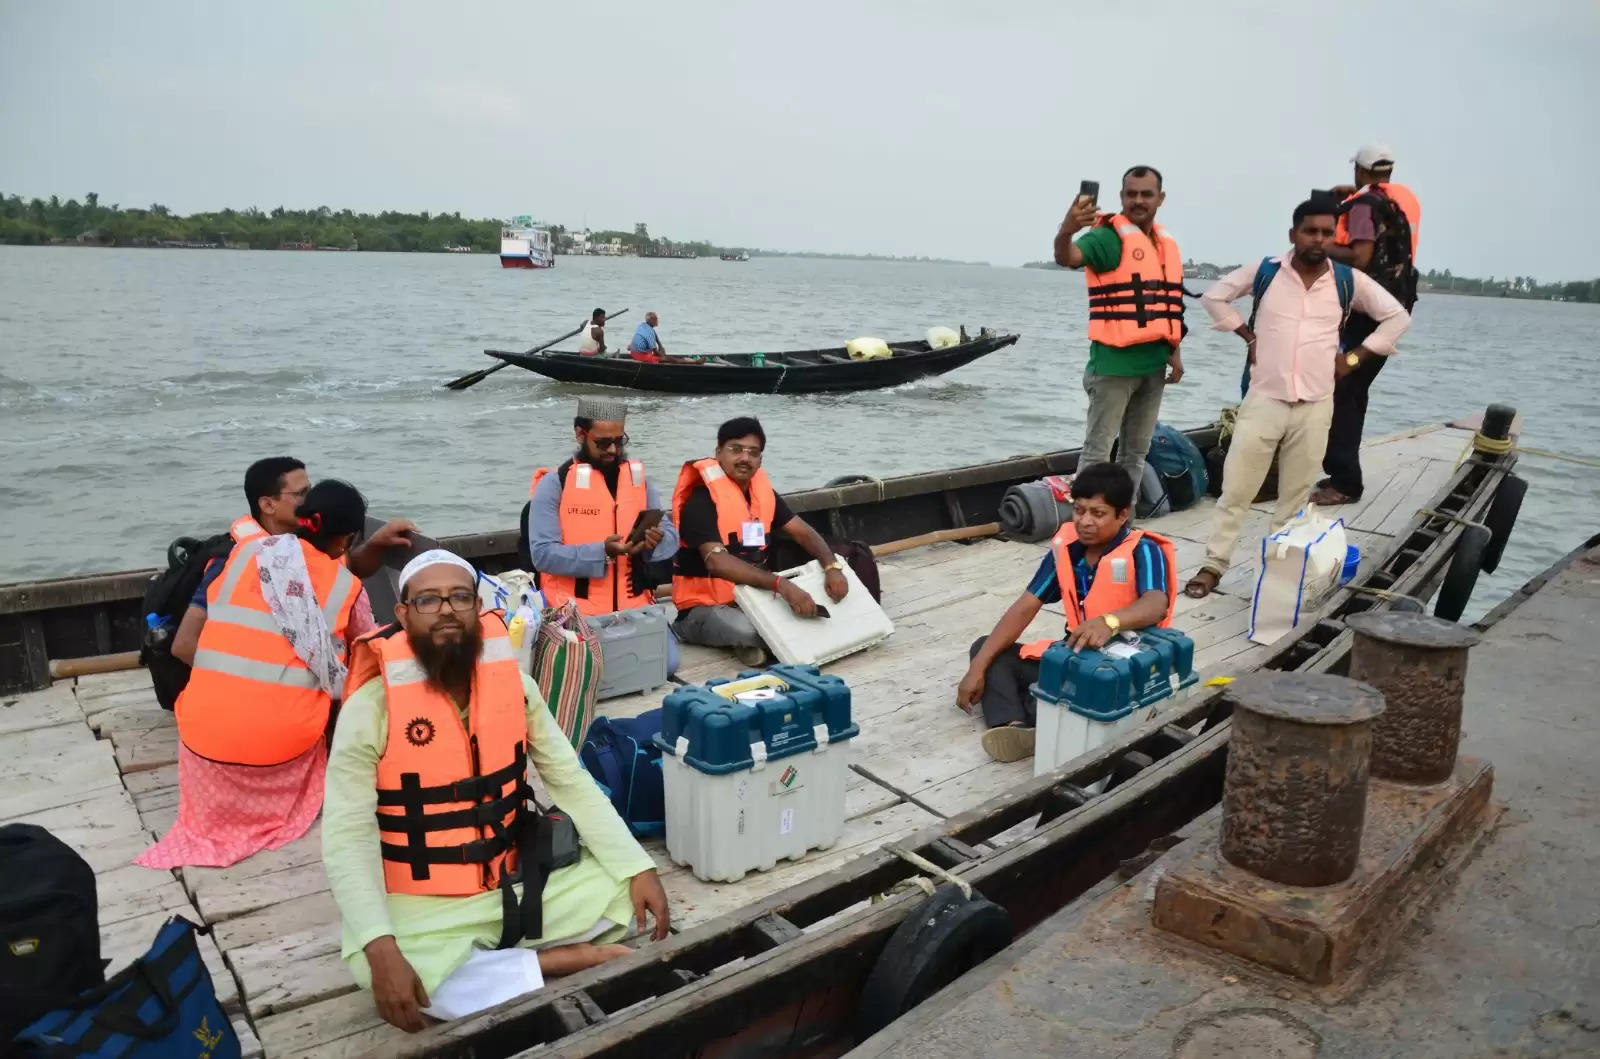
{"x":453,"y":894}
{"x":1377,"y":234}
{"x":581,"y":519}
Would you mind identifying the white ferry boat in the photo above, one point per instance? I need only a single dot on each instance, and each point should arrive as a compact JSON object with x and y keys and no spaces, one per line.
{"x":524,"y":244}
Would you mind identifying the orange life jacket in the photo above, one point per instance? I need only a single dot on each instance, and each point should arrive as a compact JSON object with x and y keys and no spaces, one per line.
{"x":246,"y":528}
{"x":589,"y":514}
{"x":1115,"y":586}
{"x":451,"y":796}
{"x":250,"y":700}
{"x":1141,"y":300}
{"x":733,"y":511}
{"x":1400,"y":195}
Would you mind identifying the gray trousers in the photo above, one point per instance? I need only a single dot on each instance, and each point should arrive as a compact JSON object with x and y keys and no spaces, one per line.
{"x":720,"y":625}
{"x":1126,"y":406}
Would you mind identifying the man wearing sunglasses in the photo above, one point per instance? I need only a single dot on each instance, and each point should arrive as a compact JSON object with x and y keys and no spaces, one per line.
{"x":727,"y":510}
{"x":581,"y":519}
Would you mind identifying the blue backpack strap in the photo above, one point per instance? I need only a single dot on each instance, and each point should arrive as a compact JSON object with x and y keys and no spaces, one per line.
{"x":1344,"y":281}
{"x":1265,"y":273}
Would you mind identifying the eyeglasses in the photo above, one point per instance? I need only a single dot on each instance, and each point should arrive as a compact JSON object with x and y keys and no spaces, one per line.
{"x":298,"y":494}
{"x":735,"y":449}
{"x":461,"y":600}
{"x":609,"y":443}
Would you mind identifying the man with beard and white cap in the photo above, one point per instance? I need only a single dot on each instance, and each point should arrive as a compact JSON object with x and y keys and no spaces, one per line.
{"x":446,"y":906}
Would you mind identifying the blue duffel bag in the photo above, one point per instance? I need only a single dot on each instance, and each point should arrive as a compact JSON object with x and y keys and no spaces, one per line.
{"x":621,"y":754}
{"x":161,"y":1005}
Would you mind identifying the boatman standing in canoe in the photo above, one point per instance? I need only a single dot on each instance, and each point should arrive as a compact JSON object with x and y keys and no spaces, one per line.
{"x":1107,"y":575}
{"x":453,"y":895}
{"x":581,"y":517}
{"x":1134,"y":273}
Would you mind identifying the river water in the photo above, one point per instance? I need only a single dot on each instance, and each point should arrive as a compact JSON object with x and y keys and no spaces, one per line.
{"x":136,"y":385}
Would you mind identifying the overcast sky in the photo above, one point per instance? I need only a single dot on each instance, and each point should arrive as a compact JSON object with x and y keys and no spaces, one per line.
{"x":951,"y":128}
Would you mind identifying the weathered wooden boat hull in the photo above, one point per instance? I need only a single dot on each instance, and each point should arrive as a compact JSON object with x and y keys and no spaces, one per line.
{"x":790,"y":968}
{"x":801,"y":371}
{"x":75,"y":617}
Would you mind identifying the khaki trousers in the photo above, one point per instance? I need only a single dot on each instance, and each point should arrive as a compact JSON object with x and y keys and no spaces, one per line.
{"x":1298,"y":434}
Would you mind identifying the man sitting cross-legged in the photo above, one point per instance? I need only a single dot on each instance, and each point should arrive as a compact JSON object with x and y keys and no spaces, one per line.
{"x":425,"y":821}
{"x":1107,"y":575}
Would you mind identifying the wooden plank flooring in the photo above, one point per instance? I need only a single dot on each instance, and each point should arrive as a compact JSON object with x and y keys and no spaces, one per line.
{"x":94,"y":762}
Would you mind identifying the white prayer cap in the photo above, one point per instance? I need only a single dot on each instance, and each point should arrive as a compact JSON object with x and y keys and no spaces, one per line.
{"x":433,"y":557}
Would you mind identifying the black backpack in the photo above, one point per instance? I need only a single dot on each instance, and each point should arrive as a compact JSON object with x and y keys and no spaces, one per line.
{"x":49,"y":926}
{"x":1391,"y":263}
{"x":167,"y":596}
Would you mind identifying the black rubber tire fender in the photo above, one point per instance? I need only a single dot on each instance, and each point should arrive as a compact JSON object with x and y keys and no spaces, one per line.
{"x":944,"y":937}
{"x":1502,"y":517}
{"x":1462,"y":576}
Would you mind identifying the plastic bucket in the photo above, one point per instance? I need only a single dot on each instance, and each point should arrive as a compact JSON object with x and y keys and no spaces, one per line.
{"x":1352,"y":560}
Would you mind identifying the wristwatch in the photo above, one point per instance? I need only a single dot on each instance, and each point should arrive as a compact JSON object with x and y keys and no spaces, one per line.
{"x":1112,"y":621}
{"x":1353,"y":359}
{"x":835,"y":565}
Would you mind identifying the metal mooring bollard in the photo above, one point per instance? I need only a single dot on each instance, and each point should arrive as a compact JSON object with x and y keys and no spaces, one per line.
{"x":1295,"y":796}
{"x":1419,"y":662}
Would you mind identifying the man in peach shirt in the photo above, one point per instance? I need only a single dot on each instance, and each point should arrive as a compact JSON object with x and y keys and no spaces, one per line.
{"x":1294,"y":361}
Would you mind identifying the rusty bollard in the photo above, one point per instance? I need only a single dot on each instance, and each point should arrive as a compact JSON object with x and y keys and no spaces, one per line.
{"x":1419,"y":663}
{"x":1295,"y":795}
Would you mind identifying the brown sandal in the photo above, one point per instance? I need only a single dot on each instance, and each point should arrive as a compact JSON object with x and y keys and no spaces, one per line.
{"x":1202,"y":584}
{"x":1328,"y":496}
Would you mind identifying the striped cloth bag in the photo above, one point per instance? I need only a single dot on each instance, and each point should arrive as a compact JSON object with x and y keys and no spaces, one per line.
{"x":567,"y":666}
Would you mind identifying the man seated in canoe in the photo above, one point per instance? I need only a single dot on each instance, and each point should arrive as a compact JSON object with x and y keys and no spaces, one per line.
{"x":269,"y":664}
{"x":581,"y":517}
{"x":592,"y":335}
{"x":646,"y":344}
{"x":726,"y":510}
{"x":454,"y":896}
{"x":1107,"y":575}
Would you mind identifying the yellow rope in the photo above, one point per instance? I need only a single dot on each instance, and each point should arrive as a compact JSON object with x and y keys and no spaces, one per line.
{"x":1501,"y":446}
{"x":1579,"y":460}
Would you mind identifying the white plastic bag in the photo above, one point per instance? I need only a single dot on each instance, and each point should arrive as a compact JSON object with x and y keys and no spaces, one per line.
{"x":1300,"y":567}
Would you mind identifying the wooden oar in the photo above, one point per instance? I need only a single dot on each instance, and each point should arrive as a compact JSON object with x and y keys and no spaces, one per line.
{"x":475,"y":377}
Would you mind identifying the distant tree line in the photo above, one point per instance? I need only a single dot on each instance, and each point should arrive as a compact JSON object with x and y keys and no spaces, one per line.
{"x":43,"y":221}
{"x":1581,"y":290}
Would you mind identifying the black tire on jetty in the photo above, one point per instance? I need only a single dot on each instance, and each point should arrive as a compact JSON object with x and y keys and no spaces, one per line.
{"x":946,"y":936}
{"x":1456,"y":590}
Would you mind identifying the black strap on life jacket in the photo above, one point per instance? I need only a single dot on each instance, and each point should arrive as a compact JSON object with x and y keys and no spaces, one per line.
{"x":1140,"y":300}
{"x":494,"y":796}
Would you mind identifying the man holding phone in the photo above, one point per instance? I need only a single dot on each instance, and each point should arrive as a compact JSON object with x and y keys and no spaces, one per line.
{"x":1134,"y":273}
{"x":596,"y":522}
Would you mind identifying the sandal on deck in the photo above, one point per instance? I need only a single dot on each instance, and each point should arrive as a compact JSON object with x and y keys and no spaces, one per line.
{"x":1202,"y":584}
{"x":1328,"y":496}
{"x":1009,"y":742}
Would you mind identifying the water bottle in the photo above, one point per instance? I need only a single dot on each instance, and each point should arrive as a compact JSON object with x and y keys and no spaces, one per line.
{"x":758,"y":360}
{"x":157,"y":632}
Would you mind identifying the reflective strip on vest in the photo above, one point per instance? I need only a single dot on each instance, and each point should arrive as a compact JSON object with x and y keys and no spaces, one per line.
{"x":250,"y":669}
{"x":261,"y":621}
{"x":584,"y":472}
{"x":245,"y":528}
{"x":636,"y":468}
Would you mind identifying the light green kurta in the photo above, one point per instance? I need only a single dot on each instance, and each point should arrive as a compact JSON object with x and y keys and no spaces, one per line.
{"x":437,"y":934}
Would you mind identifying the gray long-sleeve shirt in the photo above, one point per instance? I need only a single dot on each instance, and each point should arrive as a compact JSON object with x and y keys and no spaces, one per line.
{"x":551,"y":556}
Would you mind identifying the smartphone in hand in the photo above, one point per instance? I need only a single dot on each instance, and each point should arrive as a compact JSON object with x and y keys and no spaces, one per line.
{"x":1089,"y":190}
{"x":648,"y":520}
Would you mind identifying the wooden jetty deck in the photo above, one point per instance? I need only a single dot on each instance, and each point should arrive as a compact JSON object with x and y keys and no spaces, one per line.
{"x":94,"y":761}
